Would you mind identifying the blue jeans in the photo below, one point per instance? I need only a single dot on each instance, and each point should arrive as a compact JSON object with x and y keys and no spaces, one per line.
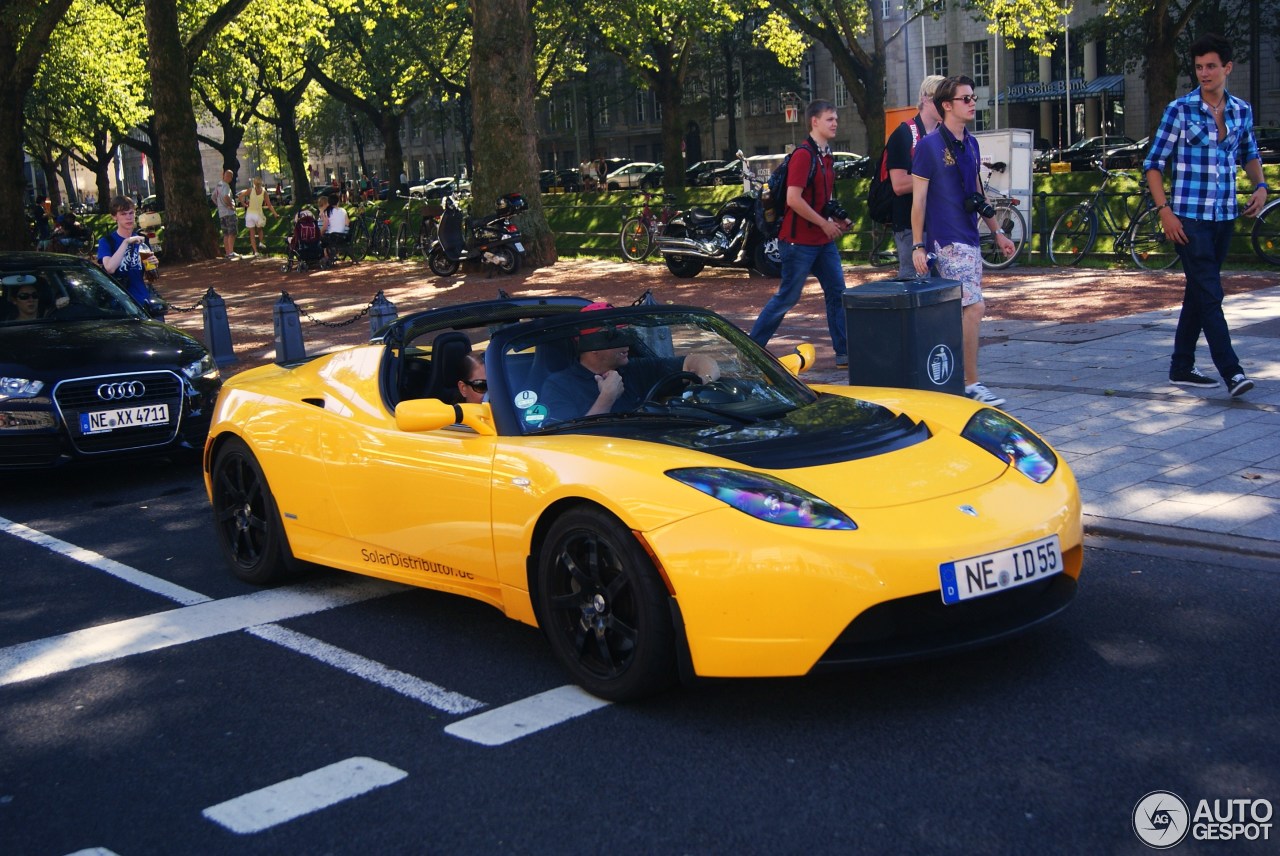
{"x":1202,"y":258}
{"x":798,"y":261}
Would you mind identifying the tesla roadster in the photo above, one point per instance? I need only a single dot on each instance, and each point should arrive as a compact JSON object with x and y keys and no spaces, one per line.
{"x":659,"y":495}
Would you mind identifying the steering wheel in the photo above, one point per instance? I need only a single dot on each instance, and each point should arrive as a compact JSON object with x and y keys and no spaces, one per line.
{"x":682,"y":377}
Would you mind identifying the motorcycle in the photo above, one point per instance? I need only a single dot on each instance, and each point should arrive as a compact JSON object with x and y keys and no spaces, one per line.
{"x":494,"y":239}
{"x":741,"y":234}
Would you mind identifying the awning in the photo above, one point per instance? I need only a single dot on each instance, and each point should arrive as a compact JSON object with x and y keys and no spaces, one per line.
{"x":1111,"y":85}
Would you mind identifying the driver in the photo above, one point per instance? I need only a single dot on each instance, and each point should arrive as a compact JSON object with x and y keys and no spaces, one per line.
{"x":606,"y":380}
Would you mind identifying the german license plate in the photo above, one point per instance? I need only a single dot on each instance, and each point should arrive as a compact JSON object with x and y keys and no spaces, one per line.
{"x":996,"y":572}
{"x":103,"y":421}
{"x":519,"y":247}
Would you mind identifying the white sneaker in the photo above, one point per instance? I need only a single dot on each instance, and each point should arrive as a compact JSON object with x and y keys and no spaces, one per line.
{"x":982,"y":395}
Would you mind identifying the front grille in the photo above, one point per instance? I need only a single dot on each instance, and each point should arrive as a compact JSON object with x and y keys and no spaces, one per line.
{"x":78,"y":396}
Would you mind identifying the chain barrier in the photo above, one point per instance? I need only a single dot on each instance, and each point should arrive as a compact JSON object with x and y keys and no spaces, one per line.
{"x":284,"y":295}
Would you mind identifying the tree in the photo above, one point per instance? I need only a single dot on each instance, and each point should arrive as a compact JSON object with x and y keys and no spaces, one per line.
{"x":24,"y":38}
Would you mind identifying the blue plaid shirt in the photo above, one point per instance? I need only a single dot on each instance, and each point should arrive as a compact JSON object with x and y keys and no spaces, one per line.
{"x":1204,"y":168}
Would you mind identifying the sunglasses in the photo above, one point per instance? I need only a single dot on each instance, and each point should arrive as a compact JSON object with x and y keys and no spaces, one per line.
{"x":968,"y":99}
{"x":481,"y":385}
{"x":26,"y":295}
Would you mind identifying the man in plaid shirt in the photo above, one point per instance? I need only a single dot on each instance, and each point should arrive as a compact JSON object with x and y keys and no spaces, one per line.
{"x":1203,"y":136}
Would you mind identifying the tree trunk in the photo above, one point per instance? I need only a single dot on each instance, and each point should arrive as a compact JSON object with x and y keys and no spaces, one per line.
{"x":669,"y":90}
{"x":506,"y":132}
{"x":392,"y":153}
{"x":287,"y":115}
{"x":190,"y":233}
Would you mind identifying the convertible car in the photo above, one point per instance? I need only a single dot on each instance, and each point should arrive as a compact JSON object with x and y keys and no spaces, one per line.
{"x":711,"y":515}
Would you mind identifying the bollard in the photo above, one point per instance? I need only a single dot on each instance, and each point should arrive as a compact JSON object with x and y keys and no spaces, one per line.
{"x":217,"y":330}
{"x":382,"y":312}
{"x":289,"y":345}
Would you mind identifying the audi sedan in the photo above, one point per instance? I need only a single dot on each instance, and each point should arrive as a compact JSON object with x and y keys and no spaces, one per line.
{"x":87,"y":374}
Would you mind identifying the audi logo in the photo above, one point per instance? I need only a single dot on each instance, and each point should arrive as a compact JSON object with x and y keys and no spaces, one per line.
{"x":121,"y":391}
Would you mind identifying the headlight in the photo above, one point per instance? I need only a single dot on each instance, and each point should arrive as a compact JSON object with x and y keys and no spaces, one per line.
{"x":19,"y":387}
{"x":764,"y":498}
{"x":203,"y":367}
{"x":1006,"y":438}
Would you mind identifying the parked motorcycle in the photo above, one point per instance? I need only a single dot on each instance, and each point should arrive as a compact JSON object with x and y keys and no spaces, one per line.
{"x":494,"y":239}
{"x":739,"y":235}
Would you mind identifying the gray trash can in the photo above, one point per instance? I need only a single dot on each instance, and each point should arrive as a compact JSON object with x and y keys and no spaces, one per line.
{"x":906,"y":333}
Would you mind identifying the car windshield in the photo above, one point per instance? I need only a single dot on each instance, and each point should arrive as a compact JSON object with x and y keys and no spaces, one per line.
{"x":633,"y":365}
{"x":42,"y":295}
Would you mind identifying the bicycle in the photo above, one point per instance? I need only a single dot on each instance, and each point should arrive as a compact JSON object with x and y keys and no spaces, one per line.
{"x":411,"y":243}
{"x":639,"y":234}
{"x":884,"y":251}
{"x":1143,"y":238}
{"x":370,"y":233}
{"x":1265,"y":234}
{"x":1007,"y":217}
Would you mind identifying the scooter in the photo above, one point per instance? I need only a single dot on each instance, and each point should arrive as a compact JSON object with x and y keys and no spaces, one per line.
{"x":493,"y":240}
{"x":739,"y":235}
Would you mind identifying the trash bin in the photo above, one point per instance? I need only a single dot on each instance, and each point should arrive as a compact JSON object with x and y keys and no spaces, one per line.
{"x":906,"y":333}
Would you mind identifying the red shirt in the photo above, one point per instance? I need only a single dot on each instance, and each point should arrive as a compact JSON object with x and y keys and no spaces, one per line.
{"x":796,"y":229}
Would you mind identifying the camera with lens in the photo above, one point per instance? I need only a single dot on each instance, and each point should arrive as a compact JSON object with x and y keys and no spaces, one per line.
{"x":833,"y":210}
{"x":976,"y":203}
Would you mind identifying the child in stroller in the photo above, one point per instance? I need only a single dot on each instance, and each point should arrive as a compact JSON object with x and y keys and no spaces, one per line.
{"x":303,"y":247}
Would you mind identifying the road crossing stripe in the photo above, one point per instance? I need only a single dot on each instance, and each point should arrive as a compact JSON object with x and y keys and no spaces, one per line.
{"x":370,"y":670}
{"x":293,"y":798}
{"x":522,"y":718}
{"x":155,"y":585}
{"x":55,"y":654}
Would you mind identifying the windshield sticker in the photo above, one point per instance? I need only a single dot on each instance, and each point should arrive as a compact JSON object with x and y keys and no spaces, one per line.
{"x":526,"y":398}
{"x":535,"y":415}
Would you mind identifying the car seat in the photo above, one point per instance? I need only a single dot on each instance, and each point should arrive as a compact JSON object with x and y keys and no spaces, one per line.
{"x":447,"y":353}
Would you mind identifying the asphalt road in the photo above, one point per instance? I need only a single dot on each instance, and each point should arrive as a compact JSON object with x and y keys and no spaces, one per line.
{"x":188,"y":712}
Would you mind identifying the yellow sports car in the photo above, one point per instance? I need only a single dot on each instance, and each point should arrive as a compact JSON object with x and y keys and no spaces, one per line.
{"x":656,"y":492}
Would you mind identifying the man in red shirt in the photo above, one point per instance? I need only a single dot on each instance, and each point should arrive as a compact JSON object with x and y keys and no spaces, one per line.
{"x":807,"y":241}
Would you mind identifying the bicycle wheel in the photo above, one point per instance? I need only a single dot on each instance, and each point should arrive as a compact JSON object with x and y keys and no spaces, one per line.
{"x":1009,"y":218}
{"x":1073,"y":235}
{"x":358,"y":246}
{"x":380,"y":241}
{"x":884,"y":251}
{"x":635,"y":239}
{"x":1150,"y":247}
{"x":1266,"y":233}
{"x":404,"y":249}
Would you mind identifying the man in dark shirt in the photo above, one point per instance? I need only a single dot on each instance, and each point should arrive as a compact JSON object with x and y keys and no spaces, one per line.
{"x":901,"y":147}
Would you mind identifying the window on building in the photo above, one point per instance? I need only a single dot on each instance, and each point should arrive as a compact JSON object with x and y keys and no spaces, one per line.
{"x":979,"y":62}
{"x":1026,"y":64}
{"x":937,"y":60}
{"x":642,"y":103}
{"x":809,"y":84}
{"x":981,"y":120}
{"x":886,"y":8}
{"x":657,"y":108}
{"x":841,"y":91}
{"x":566,"y":106}
{"x":551,"y":114}
{"x":602,"y":114}
{"x":756,"y":107}
{"x":770,"y":105}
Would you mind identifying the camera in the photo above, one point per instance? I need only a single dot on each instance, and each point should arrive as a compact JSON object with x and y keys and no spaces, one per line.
{"x":833,"y":210}
{"x":976,"y":203}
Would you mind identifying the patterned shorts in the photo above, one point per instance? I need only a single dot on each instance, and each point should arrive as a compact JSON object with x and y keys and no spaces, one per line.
{"x":229,"y":224}
{"x":964,"y":263}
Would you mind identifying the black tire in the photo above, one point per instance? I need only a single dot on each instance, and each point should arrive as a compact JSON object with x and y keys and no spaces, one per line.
{"x":1266,"y":234}
{"x":358,"y":246}
{"x":404,"y":248}
{"x":380,"y":241}
{"x":1150,"y":247}
{"x":1073,"y":235}
{"x":508,"y":259}
{"x":767,"y":258}
{"x":636,"y":239}
{"x":603,"y":607}
{"x":1009,"y":218}
{"x":246,"y":518}
{"x":440,"y":264}
{"x":684,"y":267}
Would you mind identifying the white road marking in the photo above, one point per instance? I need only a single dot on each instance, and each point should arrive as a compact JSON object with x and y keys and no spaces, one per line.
{"x":155,"y":585}
{"x":292,"y":798}
{"x":55,"y":654}
{"x":370,"y":670}
{"x":522,"y":718}
{"x":94,"y":851}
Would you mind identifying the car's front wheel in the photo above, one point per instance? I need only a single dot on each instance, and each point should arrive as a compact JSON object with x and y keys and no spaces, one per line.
{"x":246,"y":518}
{"x":603,"y":607}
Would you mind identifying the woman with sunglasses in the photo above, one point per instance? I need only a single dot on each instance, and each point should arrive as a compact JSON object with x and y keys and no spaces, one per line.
{"x":25,"y":300}
{"x":472,"y":383}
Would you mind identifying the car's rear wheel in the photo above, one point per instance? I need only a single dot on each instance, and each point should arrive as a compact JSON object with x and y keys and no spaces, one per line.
{"x":246,"y":518}
{"x":603,"y":607}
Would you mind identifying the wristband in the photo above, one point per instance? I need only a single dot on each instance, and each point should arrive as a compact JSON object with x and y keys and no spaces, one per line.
{"x":1001,"y":232}
{"x":915,"y":247}
{"x":1262,"y":186}
{"x":1161,"y":207}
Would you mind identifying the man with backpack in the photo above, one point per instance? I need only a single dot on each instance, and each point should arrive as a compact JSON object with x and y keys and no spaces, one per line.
{"x":898,"y":152}
{"x":807,"y":239}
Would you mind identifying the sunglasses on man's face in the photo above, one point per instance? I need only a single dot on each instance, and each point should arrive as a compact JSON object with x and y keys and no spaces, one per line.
{"x":481,"y":385}
{"x":968,"y":99}
{"x":26,"y":295}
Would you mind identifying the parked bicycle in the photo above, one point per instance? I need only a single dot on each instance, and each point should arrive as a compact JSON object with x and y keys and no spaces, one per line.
{"x":417,"y":242}
{"x":883,"y":250}
{"x":1266,"y":233}
{"x":1007,"y":217}
{"x":1076,"y":231}
{"x":639,"y":234}
{"x":370,"y":233}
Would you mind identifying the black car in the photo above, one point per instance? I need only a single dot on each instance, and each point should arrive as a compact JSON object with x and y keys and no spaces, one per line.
{"x":730,"y":173}
{"x":566,"y":180}
{"x":1083,"y":153}
{"x":1128,"y":156}
{"x":86,"y":374}
{"x":1268,"y":140}
{"x":696,"y":175}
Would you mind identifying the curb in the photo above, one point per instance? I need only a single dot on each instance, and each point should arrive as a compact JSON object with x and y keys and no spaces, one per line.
{"x":1176,"y":536}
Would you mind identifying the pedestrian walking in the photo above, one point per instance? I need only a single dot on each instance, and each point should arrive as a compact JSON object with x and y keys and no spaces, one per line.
{"x":253,"y":198}
{"x":807,"y":238}
{"x":1202,"y":138}
{"x":900,"y":149}
{"x":227,"y":213}
{"x":947,"y":199}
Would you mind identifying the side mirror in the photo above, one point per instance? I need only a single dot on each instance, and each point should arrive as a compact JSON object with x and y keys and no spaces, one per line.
{"x":431,"y":414}
{"x":800,"y":359}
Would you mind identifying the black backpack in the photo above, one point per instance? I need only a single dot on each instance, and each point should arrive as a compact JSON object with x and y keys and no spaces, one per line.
{"x":777,"y":183}
{"x":880,"y":193}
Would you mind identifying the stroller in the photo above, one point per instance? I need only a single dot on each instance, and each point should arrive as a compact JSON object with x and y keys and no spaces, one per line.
{"x":303,"y":247}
